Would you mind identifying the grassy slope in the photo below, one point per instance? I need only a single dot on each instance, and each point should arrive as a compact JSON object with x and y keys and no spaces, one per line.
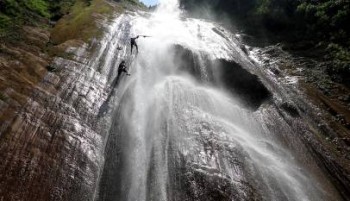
{"x":28,"y":46}
{"x":80,"y":23}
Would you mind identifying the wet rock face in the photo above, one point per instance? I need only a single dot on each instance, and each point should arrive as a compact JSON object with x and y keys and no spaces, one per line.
{"x":51,"y":150}
{"x":54,"y":149}
{"x":199,"y":182}
{"x":52,"y":146}
{"x":242,"y":83}
{"x":189,"y":61}
{"x":198,"y":185}
{"x":291,"y":109}
{"x":22,"y":66}
{"x":309,"y":105}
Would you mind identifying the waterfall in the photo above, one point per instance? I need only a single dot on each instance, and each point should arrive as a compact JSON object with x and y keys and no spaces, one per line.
{"x":178,"y":133}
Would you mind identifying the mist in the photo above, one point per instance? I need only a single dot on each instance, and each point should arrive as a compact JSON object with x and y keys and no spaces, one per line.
{"x":188,"y":109}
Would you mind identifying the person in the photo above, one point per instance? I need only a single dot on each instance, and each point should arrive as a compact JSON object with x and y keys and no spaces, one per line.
{"x":133,"y":43}
{"x":122,"y":68}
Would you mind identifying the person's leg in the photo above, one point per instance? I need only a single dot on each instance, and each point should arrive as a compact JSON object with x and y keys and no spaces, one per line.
{"x":126,"y":72}
{"x":137,"y":48}
{"x":131,"y":47}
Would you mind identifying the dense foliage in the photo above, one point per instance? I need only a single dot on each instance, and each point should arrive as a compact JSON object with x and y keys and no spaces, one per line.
{"x":317,"y":19}
{"x":313,"y":23}
{"x":15,"y":13}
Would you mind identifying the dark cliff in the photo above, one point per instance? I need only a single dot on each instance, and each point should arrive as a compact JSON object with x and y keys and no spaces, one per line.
{"x":51,"y":144}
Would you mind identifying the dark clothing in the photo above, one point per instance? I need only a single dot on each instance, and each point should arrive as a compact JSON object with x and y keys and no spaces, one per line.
{"x":122,"y":68}
{"x":137,"y":48}
{"x":133,"y":43}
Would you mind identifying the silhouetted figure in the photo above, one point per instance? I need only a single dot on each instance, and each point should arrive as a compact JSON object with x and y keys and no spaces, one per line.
{"x":133,"y":43}
{"x":104,"y":107}
{"x":122,"y":68}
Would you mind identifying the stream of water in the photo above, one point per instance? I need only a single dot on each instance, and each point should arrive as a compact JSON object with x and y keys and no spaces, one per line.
{"x":181,"y":137}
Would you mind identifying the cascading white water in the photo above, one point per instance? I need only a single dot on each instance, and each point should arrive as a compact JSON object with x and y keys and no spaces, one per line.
{"x":185,"y":140}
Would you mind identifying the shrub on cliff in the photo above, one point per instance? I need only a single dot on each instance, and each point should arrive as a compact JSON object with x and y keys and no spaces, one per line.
{"x":328,"y":19}
{"x":323,"y":22}
{"x":15,"y":13}
{"x":40,"y":7}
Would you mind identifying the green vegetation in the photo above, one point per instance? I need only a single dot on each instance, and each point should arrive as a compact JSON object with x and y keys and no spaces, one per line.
{"x":3,"y":97}
{"x":80,"y":22}
{"x":38,"y":6}
{"x":80,"y":16}
{"x":324,"y":20}
{"x":322,"y":24}
{"x":70,"y":22}
{"x":5,"y":22}
{"x":329,"y":20}
{"x":135,"y":2}
{"x":16,"y":13}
